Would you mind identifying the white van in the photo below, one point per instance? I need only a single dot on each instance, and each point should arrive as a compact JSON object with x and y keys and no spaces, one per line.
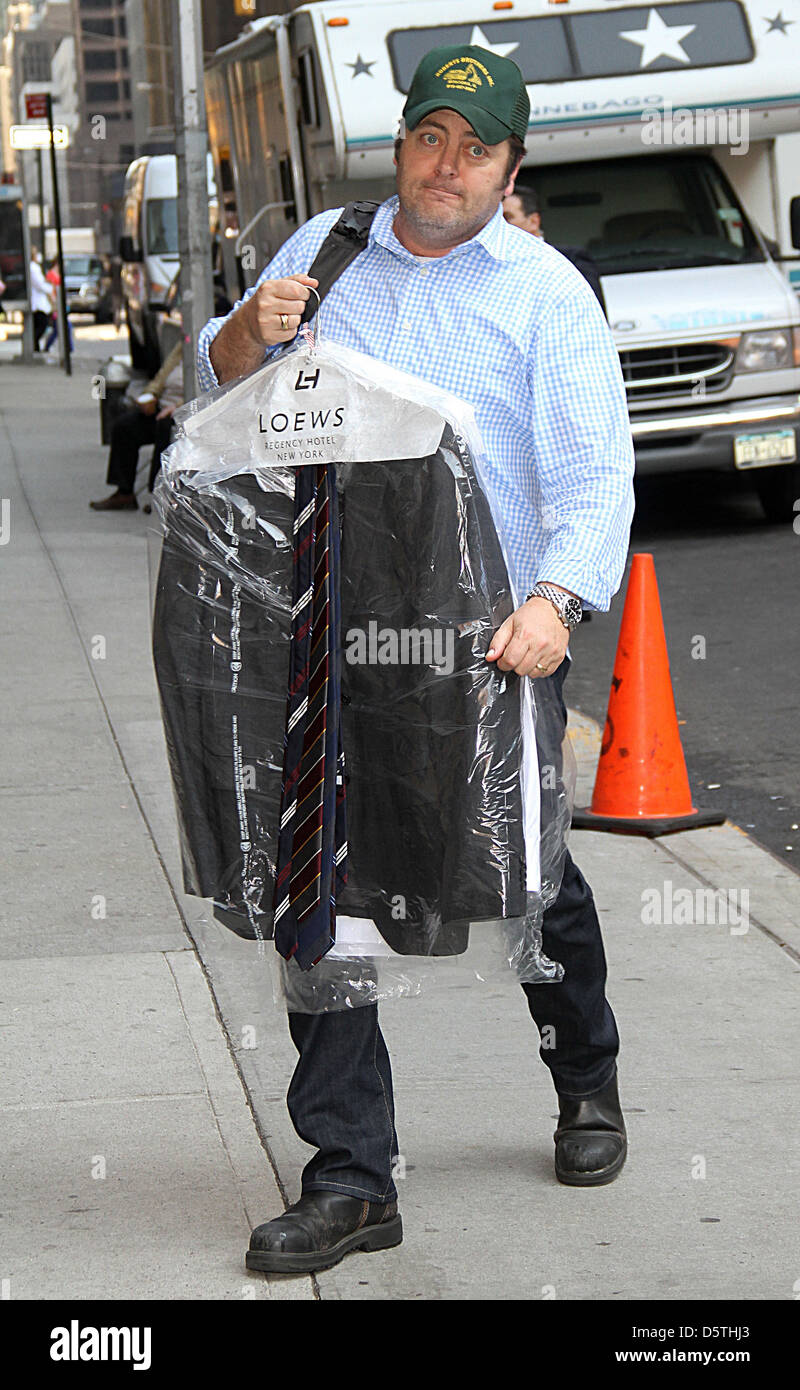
{"x":654,"y":143}
{"x":149,"y":250}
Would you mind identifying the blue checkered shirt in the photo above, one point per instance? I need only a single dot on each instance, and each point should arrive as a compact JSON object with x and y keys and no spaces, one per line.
{"x":508,"y":324}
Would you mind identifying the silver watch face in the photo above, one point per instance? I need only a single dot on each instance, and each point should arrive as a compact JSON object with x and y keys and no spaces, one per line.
{"x":571,"y":609}
{"x":573,"y":612}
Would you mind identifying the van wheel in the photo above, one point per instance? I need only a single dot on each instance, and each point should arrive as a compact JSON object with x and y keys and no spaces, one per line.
{"x":779,"y":491}
{"x":140,"y":357}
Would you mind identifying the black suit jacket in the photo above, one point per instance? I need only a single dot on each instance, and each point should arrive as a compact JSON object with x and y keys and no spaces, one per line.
{"x":583,"y":262}
{"x":434,"y":813}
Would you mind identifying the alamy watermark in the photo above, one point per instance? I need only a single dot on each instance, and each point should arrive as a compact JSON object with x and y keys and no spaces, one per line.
{"x":77,"y":1343}
{"x":682,"y":125}
{"x":668,"y":906}
{"x":401,"y":646}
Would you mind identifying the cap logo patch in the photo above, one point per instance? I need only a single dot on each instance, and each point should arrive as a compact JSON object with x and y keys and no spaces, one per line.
{"x":466,"y":78}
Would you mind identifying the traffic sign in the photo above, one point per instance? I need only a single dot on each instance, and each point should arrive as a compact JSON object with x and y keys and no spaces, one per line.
{"x":37,"y":137}
{"x":36,"y":106}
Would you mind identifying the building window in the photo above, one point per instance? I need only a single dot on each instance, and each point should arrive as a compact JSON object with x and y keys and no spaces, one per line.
{"x":102,"y":92}
{"x":36,"y":62}
{"x":100,"y":60}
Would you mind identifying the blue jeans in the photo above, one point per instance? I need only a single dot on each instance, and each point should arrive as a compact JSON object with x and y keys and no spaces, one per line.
{"x":341,"y":1101}
{"x":52,"y":335}
{"x":340,"y":1098}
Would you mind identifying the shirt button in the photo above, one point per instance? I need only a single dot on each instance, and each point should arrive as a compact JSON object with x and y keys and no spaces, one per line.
{"x":407,"y":325}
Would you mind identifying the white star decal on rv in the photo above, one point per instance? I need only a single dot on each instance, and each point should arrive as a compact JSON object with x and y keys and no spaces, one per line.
{"x":659,"y":40}
{"x":479,"y":40}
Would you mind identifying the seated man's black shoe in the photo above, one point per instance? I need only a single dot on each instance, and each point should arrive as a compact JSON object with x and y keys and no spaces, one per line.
{"x":118,"y":502}
{"x":319,"y":1229}
{"x":591,"y":1143}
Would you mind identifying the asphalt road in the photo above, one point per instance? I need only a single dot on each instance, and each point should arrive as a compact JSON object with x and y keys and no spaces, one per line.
{"x":727,"y":575}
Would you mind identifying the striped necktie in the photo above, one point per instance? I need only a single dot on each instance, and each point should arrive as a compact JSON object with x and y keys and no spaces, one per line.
{"x":312,"y":845}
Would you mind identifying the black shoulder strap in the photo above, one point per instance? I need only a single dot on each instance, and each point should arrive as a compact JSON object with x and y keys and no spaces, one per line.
{"x":346,"y":240}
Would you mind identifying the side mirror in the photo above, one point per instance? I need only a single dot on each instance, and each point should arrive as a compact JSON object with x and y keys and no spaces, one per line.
{"x":127,"y":250}
{"x":794,"y":222}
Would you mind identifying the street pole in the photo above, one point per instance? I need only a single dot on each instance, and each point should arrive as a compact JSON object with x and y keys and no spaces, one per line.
{"x":62,"y":290}
{"x":40,"y":176}
{"x":191,"y":144}
{"x":28,"y":344}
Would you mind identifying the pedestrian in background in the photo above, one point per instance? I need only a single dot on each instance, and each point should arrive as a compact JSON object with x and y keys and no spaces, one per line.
{"x":41,"y":297}
{"x":53,"y":278}
{"x":521,"y":209}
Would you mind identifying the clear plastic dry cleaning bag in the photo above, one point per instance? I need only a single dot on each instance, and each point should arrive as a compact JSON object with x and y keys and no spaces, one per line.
{"x":354,"y":781}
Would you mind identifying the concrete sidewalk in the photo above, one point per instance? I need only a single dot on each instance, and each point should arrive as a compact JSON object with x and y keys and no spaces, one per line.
{"x":113,"y":1049}
{"x":131,"y":1163}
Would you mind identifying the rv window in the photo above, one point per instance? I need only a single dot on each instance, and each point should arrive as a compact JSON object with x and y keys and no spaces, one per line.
{"x":309,"y":105}
{"x":287,"y":188}
{"x":568,"y":47}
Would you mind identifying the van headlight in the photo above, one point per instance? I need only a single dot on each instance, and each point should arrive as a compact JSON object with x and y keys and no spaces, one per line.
{"x":768,"y":350}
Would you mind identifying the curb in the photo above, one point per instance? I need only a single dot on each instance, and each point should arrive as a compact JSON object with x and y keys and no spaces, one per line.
{"x":719,"y":857}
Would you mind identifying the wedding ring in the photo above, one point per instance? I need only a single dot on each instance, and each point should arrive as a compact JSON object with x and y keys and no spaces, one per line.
{"x":540,"y":667}
{"x":284,"y":318}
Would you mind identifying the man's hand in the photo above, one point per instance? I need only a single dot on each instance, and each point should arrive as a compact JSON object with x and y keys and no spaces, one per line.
{"x":239,"y":346}
{"x":532,"y":641}
{"x":166,"y":411}
{"x":272,"y":302}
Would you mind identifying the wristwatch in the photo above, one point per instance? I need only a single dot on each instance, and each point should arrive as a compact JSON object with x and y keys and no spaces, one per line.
{"x":568,"y":607}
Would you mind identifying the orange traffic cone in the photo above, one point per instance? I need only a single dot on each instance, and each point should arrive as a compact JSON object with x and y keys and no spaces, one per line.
{"x":642,"y":787}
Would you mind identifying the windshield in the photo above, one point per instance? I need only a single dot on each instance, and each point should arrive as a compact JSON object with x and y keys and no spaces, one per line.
{"x":82,"y":265}
{"x":162,"y":226}
{"x":657,"y":213}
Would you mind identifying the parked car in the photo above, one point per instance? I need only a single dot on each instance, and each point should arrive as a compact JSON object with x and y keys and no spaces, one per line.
{"x":88,"y":283}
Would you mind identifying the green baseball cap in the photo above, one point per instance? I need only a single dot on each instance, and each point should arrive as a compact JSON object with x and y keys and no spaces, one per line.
{"x":488,"y":91}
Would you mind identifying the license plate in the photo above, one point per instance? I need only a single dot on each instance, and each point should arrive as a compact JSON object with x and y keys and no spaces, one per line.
{"x":760,"y":450}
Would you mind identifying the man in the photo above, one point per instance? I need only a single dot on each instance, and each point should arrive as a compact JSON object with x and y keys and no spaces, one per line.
{"x":53,"y":278}
{"x":42,"y":298}
{"x":521,"y":209}
{"x":448,"y":290}
{"x":149,"y":421}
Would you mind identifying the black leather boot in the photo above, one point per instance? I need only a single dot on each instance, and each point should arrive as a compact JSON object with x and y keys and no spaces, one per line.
{"x":319,"y":1229}
{"x":591,"y":1143}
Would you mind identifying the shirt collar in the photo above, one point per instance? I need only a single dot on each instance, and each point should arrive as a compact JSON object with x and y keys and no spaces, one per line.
{"x":493,"y":238}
